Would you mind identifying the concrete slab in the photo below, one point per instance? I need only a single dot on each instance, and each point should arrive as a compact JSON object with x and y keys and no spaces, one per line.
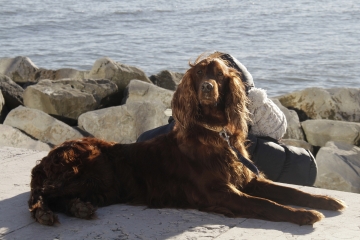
{"x":129,"y":222}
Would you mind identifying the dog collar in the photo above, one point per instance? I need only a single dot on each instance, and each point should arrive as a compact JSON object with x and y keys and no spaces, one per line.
{"x":213,"y":128}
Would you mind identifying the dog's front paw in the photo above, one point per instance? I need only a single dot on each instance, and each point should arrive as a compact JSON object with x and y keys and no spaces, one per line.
{"x":81,"y":209}
{"x":308,"y":217}
{"x":334,"y":204}
{"x":46,"y":217}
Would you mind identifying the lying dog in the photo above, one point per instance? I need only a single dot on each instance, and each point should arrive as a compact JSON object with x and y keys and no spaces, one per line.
{"x":193,"y":166}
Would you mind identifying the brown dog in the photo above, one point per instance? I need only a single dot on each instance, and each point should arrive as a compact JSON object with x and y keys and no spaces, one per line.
{"x":190,"y":167}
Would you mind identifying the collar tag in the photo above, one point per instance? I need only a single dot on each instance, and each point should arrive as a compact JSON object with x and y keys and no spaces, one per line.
{"x":223,"y":134}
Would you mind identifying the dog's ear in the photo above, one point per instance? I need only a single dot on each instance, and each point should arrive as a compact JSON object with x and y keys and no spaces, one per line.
{"x":236,"y":103}
{"x":184,"y":103}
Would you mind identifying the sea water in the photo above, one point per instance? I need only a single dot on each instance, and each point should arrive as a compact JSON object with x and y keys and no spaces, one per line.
{"x":286,"y":45}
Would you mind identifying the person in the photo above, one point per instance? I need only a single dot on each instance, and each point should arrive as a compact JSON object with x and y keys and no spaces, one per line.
{"x":268,"y":125}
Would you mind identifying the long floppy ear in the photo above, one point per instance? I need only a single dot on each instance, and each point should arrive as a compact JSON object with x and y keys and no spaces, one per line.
{"x":236,"y":102}
{"x":184,"y":103}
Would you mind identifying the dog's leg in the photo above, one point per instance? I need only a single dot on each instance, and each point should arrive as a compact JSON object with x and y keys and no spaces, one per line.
{"x":73,"y":207}
{"x":286,"y":195}
{"x":233,"y":203}
{"x":40,"y":210}
{"x":80,"y":209}
{"x":37,"y":202}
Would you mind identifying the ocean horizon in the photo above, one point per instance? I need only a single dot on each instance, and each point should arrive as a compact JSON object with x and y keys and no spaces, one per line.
{"x":286,"y":45}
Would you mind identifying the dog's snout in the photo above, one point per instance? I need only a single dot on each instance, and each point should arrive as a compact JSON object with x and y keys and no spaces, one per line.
{"x":206,"y":87}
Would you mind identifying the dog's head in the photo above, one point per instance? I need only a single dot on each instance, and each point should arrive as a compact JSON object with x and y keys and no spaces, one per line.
{"x":211,"y":93}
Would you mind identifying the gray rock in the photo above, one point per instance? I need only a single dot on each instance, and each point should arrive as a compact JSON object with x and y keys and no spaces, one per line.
{"x":144,"y":109}
{"x":40,"y":125}
{"x":339,"y":167}
{"x":139,"y":91}
{"x":12,"y":137}
{"x":167,"y":79}
{"x":19,"y":69}
{"x":68,"y":98}
{"x":158,"y":98}
{"x":120,"y":74}
{"x":319,"y":132}
{"x":62,"y":73}
{"x":121,"y":124}
{"x":112,"y":124}
{"x":293,"y":130}
{"x":12,"y":92}
{"x":335,"y":104}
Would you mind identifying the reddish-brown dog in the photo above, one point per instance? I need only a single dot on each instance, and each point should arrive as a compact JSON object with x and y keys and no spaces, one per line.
{"x":190,"y":167}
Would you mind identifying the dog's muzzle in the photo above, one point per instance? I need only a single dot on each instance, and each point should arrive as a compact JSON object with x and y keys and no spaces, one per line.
{"x":206,"y":87}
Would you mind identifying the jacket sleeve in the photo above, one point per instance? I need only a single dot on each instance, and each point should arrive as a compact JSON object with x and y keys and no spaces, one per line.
{"x":267,"y":119}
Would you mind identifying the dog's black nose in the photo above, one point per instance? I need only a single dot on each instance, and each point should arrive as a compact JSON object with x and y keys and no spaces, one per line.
{"x":206,"y":87}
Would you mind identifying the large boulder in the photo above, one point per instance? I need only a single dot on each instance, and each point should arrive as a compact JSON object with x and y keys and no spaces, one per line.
{"x":24,"y":72}
{"x":40,"y":125}
{"x":317,"y":103}
{"x":167,"y":79}
{"x":120,"y":74}
{"x":158,"y":98}
{"x":123,"y":123}
{"x":12,"y":137}
{"x":139,"y":91}
{"x":319,"y":132}
{"x":12,"y":92}
{"x":19,"y":69}
{"x":293,"y":130}
{"x":144,"y":109}
{"x":339,"y":167}
{"x":68,"y":98}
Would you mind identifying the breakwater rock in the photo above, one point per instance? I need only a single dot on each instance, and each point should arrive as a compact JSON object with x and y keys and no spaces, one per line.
{"x":40,"y":108}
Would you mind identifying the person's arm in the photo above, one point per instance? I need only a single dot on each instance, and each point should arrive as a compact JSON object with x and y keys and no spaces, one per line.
{"x":267,"y":119}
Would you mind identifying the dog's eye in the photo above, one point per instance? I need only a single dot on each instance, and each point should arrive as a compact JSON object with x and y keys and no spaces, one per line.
{"x":199,"y":72}
{"x":220,"y":74}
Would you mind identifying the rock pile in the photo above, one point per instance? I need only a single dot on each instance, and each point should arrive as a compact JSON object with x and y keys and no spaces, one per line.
{"x":40,"y":108}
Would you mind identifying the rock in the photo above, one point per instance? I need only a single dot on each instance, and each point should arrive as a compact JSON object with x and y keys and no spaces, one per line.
{"x":13,"y":93}
{"x":139,"y":91}
{"x":121,"y":74}
{"x":19,"y":69}
{"x":3,"y":109}
{"x":293,"y":130}
{"x":12,"y":137}
{"x":158,"y":98}
{"x":144,"y":109}
{"x":339,"y":167}
{"x":40,"y":125}
{"x":167,"y":79}
{"x":334,"y":104}
{"x":62,"y":73}
{"x":68,"y":98}
{"x":319,"y":132}
{"x":123,"y":123}
{"x":298,"y":143}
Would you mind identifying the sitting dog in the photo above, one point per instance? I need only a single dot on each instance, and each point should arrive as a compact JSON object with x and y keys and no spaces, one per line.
{"x":201,"y":164}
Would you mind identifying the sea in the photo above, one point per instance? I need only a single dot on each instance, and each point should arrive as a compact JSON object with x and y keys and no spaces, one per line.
{"x":286,"y":45}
